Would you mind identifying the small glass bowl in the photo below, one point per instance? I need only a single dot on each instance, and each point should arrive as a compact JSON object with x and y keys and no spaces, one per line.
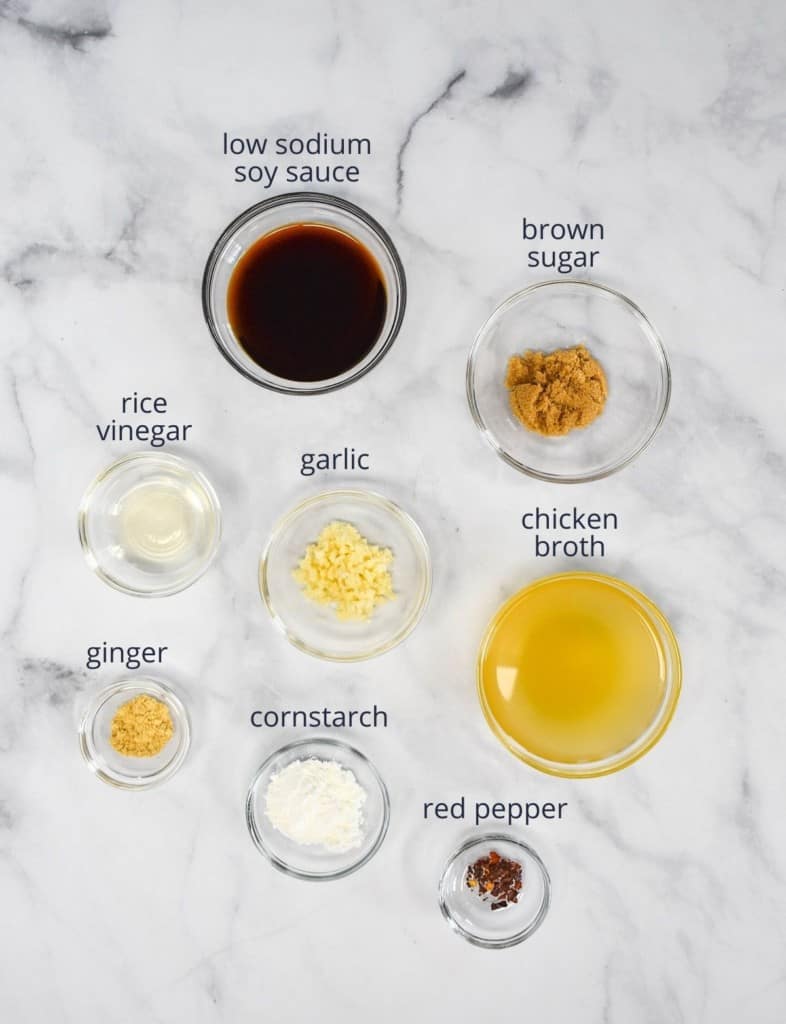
{"x":282,"y":211}
{"x":132,"y":772}
{"x":316,"y":863}
{"x":315,"y":628}
{"x":559,"y":314}
{"x":472,"y":918}
{"x":138,"y":571}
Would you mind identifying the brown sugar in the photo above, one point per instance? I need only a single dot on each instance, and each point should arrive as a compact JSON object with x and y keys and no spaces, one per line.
{"x":555,"y":392}
{"x":141,"y":727}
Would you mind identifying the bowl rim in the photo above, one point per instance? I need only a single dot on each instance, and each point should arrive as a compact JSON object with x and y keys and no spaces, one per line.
{"x":328,"y":201}
{"x":534,"y":924}
{"x":650,"y":333}
{"x":367,"y":497}
{"x":157,"y":688}
{"x":259,"y":841}
{"x":659,"y":724}
{"x":89,"y":495}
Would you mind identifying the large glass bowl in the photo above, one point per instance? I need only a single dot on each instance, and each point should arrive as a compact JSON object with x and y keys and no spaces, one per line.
{"x":315,"y":628}
{"x":651,"y":708}
{"x":554,"y":315}
{"x":281,"y":211}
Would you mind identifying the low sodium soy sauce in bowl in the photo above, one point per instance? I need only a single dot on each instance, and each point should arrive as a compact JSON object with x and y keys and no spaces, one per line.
{"x":304,"y":293}
{"x":307,"y":302}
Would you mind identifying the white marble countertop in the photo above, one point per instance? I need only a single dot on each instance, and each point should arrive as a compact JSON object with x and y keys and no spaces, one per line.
{"x":663,"y":121}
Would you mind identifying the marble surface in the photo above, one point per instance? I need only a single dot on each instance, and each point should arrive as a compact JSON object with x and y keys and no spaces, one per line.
{"x":665,"y":122}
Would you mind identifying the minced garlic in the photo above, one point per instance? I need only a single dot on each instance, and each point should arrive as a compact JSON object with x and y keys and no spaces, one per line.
{"x":342,"y":569}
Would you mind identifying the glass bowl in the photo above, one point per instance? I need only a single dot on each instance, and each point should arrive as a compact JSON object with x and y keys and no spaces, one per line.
{"x":630,"y":628}
{"x":281,"y":211}
{"x":315,"y":628}
{"x":180,"y":514}
{"x":316,"y":863}
{"x":132,"y":772}
{"x":472,"y":917}
{"x":558,"y":314}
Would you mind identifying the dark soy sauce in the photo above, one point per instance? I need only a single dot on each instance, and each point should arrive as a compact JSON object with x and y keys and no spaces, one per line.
{"x":307,"y":302}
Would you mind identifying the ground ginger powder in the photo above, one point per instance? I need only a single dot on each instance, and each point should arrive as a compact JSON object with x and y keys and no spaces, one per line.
{"x":142,"y":727}
{"x":553,"y":393}
{"x":343,"y":570}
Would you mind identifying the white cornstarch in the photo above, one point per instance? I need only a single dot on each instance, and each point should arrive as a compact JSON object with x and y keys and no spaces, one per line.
{"x":317,"y":803}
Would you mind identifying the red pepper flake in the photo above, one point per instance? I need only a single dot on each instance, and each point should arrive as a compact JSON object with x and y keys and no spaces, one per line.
{"x":495,"y":878}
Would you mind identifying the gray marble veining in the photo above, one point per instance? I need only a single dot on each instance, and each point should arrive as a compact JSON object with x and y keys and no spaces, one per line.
{"x":663,"y":121}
